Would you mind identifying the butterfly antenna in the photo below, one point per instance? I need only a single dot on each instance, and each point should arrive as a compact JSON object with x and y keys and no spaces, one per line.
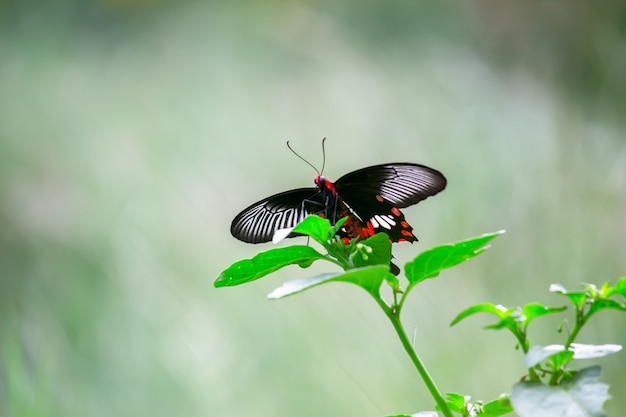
{"x":298,"y":155}
{"x":323,"y":155}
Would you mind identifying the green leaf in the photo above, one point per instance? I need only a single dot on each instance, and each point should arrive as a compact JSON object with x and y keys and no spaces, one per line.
{"x":375,"y":250}
{"x":497,"y":408}
{"x":316,"y":227}
{"x":513,"y":319}
{"x":619,"y":288}
{"x":428,"y":264}
{"x":576,"y":297}
{"x":509,"y":317}
{"x":534,"y":310}
{"x":456,"y":402}
{"x":498,"y":310}
{"x":604,"y":303}
{"x":367,"y":277}
{"x":582,"y":396}
{"x":265,"y":263}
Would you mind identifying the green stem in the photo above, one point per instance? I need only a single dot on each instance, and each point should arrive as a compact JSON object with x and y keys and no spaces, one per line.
{"x":430,"y":384}
{"x":581,"y":318}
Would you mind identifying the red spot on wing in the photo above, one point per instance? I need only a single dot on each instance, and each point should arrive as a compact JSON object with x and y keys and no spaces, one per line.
{"x":395,"y":211}
{"x":379,"y":198}
{"x":370,"y":229}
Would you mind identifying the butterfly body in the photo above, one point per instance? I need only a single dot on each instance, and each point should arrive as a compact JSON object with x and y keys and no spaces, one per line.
{"x":371,"y":198}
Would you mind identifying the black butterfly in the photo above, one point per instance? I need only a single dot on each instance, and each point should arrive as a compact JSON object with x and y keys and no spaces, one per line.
{"x":370,"y":197}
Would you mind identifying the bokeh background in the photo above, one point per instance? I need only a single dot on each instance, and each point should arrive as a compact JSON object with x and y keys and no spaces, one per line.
{"x":131,"y":133}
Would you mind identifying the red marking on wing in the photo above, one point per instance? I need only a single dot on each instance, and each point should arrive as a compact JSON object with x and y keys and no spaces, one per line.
{"x":370,"y":229}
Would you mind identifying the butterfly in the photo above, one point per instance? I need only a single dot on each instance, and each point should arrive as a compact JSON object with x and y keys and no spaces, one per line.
{"x":370,"y":197}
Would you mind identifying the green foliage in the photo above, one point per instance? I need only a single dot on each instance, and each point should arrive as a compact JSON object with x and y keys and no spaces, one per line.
{"x":552,"y":387}
{"x":265,"y":263}
{"x":462,"y":405}
{"x":549,"y":388}
{"x":366,"y":277}
{"x":428,"y":264}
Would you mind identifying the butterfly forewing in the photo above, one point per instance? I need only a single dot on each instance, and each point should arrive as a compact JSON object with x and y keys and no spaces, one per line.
{"x":401,"y":184}
{"x":257,"y":223}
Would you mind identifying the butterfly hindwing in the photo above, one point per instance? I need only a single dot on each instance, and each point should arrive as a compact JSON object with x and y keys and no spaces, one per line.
{"x":373,"y":217}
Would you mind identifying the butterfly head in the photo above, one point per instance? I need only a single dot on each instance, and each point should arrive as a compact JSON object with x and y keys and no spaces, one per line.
{"x":323,"y":184}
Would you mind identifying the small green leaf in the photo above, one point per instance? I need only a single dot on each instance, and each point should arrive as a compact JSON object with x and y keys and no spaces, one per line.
{"x":265,"y":263}
{"x":456,"y":402}
{"x":576,"y":297}
{"x":582,"y":396}
{"x":513,"y":319}
{"x":368,"y":277}
{"x":619,"y":288}
{"x":498,"y":310}
{"x":428,"y":264}
{"x":561,"y":359}
{"x":317,"y":228}
{"x":604,"y":303}
{"x":339,"y":224}
{"x":497,"y":408}
{"x":534,"y":310}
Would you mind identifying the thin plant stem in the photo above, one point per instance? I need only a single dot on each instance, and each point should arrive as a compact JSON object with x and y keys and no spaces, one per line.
{"x":430,"y":384}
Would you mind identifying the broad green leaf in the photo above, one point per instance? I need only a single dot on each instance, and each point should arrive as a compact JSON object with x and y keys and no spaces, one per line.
{"x":428,"y":264}
{"x":576,"y":297}
{"x":582,"y":396}
{"x":265,"y":263}
{"x":498,"y":310}
{"x":317,"y":228}
{"x":497,"y":408}
{"x":375,"y":250}
{"x":367,"y":277}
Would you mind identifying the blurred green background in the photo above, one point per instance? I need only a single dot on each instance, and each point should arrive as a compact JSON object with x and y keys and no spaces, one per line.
{"x":131,"y":133}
